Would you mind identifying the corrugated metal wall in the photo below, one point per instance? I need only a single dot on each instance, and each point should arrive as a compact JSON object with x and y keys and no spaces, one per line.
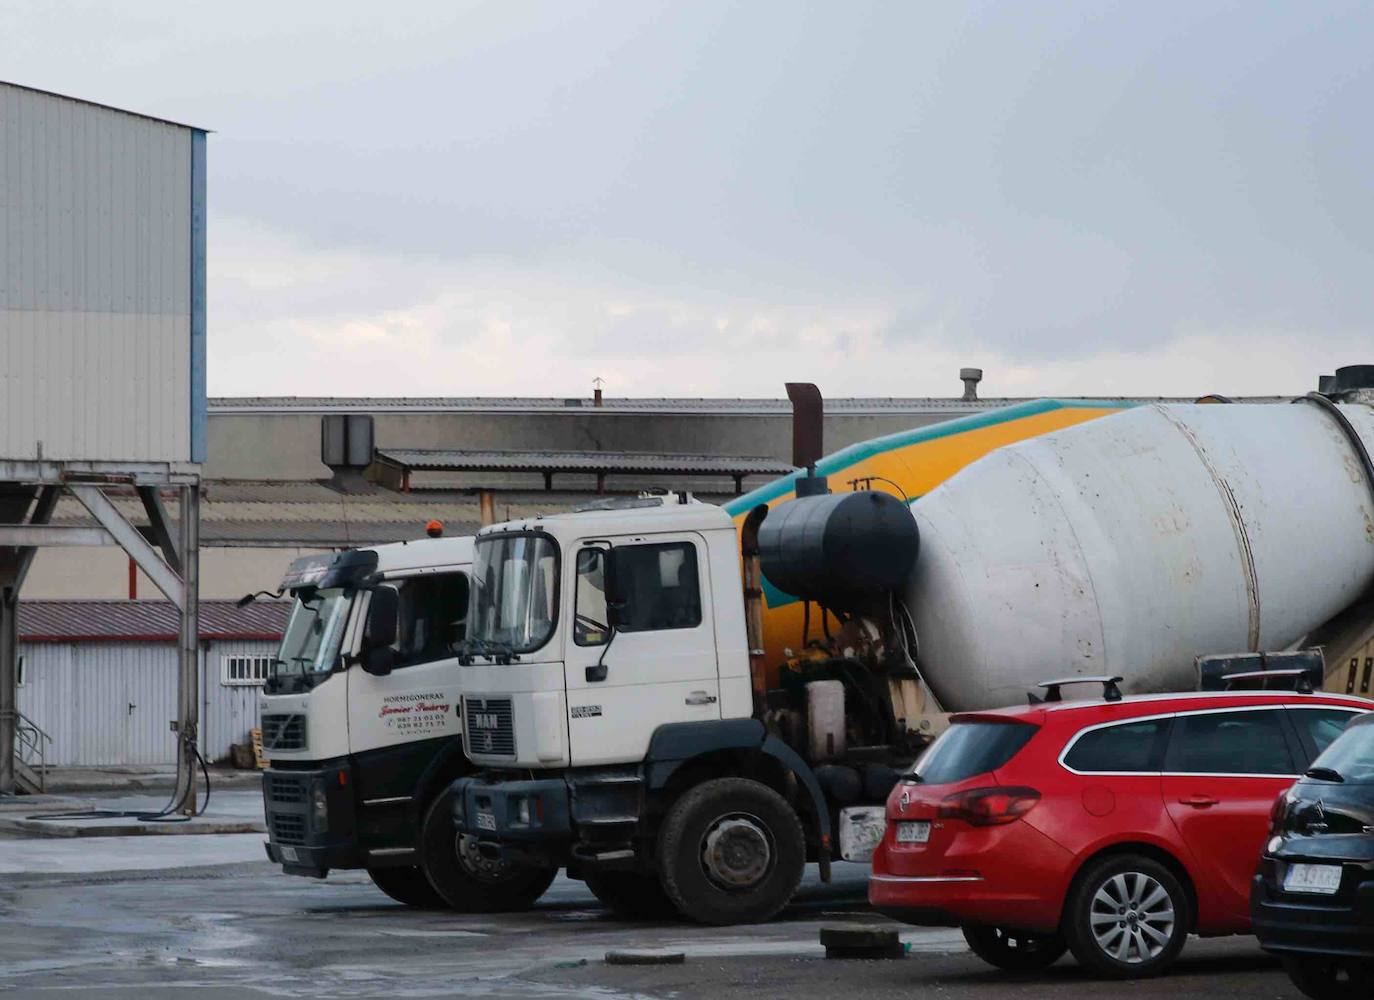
{"x":108,"y":703}
{"x":95,"y":282}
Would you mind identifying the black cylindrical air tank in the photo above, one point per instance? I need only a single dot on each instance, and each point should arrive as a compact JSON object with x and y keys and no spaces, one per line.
{"x":842,"y":550}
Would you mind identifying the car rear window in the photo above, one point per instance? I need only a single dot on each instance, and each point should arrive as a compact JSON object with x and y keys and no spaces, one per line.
{"x":1123,"y":748}
{"x":967,"y":749}
{"x":1352,"y":754}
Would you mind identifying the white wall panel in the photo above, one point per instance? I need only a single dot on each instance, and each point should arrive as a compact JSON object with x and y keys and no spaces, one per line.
{"x":95,"y":282}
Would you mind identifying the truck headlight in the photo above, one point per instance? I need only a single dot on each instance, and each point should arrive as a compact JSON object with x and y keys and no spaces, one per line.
{"x":522,"y":812}
{"x":320,"y":802}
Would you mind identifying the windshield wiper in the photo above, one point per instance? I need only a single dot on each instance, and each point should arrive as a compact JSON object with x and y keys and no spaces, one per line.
{"x":1325,"y":774}
{"x":495,"y":652}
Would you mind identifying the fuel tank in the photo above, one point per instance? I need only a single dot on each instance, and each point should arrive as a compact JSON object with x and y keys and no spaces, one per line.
{"x":1133,"y":543}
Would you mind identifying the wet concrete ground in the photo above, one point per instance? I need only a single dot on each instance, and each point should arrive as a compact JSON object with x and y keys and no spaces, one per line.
{"x":207,"y":924}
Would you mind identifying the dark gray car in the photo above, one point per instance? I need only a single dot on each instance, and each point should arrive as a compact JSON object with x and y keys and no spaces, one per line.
{"x":1312,"y":901}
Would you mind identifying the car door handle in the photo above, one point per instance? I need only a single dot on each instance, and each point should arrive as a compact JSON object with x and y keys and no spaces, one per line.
{"x":1198,"y":801}
{"x":700,"y":698}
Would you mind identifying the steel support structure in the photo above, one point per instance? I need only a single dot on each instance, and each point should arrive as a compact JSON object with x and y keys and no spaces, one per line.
{"x":167,"y":553}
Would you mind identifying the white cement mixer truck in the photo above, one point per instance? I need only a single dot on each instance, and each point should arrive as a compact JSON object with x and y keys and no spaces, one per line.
{"x":616,"y":701}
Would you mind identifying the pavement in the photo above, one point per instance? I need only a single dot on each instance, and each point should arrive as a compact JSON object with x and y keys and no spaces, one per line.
{"x":232,"y":810}
{"x":139,"y":918}
{"x":135,"y":778}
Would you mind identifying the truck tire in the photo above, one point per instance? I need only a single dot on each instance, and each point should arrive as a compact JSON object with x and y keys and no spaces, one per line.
{"x":631,"y":895}
{"x":407,"y":885}
{"x":731,"y":851}
{"x":1127,"y":917}
{"x":470,"y":884}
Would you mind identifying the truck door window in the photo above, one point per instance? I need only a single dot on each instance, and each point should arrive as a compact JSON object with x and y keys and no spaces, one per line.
{"x":432,"y":616}
{"x":589,"y":613}
{"x":659,"y":585}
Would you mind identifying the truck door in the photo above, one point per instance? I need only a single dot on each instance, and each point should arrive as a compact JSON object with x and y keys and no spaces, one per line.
{"x":1222,"y":772}
{"x":397,"y":723}
{"x":658,"y":665}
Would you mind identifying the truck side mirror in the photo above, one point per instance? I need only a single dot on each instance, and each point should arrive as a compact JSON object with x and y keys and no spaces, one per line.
{"x":379,"y":661}
{"x":383,"y":611}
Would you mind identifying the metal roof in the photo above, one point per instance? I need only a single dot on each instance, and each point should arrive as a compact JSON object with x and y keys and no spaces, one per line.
{"x":97,"y":104}
{"x":619,"y":406}
{"x":146,"y":621}
{"x":583,"y":461}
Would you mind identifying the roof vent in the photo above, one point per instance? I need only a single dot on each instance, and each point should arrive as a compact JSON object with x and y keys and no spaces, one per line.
{"x":970,"y":377}
{"x":346,"y":446}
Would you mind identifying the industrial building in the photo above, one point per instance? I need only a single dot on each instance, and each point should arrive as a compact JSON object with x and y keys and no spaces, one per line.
{"x":102,"y":369}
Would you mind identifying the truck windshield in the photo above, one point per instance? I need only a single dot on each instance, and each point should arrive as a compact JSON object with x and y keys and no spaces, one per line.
{"x":311,"y":643}
{"x":515,"y":593}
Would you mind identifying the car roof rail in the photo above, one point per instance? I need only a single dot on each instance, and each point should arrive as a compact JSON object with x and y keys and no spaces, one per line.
{"x":1214,"y":671}
{"x":1297,"y":679}
{"x":1110,"y":691}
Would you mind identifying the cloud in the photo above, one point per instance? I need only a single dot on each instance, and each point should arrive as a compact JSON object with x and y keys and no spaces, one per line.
{"x":289,"y":318}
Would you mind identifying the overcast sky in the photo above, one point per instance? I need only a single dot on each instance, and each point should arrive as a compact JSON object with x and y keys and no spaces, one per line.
{"x":420,"y":198}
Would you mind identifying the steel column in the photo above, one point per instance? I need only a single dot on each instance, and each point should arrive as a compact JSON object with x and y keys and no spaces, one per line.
{"x":9,"y":684}
{"x":188,"y":687}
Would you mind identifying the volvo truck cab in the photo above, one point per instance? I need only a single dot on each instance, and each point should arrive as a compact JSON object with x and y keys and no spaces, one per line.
{"x":361,"y":728}
{"x":622,"y":732}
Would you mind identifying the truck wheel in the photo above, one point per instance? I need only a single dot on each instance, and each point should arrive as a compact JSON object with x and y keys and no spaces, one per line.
{"x":631,"y":895}
{"x":731,"y":851}
{"x":407,"y":885}
{"x":1014,"y":951}
{"x":1127,"y":917}
{"x":467,"y":882}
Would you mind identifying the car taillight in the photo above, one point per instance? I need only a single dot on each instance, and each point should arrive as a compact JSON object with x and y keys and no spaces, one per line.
{"x":989,"y":806}
{"x":1277,"y":812}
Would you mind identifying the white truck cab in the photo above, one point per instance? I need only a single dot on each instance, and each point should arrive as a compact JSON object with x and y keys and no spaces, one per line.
{"x":549,"y":683}
{"x":360,"y":717}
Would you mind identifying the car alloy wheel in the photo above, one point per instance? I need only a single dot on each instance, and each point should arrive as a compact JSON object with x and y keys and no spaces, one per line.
{"x":1132,"y":918}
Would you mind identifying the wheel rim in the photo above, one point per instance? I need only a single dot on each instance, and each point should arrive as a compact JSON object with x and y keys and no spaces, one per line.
{"x":737,"y":852}
{"x":1132,"y":917}
{"x":480,"y":868}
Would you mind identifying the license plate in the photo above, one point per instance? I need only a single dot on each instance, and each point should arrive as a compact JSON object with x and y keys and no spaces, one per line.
{"x":913,"y":833}
{"x":289,"y":854}
{"x":1325,"y":879}
{"x":486,"y":821}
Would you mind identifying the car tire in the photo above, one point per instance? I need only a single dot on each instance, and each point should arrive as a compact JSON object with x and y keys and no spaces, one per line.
{"x":1013,"y":950}
{"x":468,"y":883}
{"x":1323,"y":977}
{"x":407,"y":885}
{"x":731,"y":851}
{"x":631,"y":895}
{"x":1150,"y":924}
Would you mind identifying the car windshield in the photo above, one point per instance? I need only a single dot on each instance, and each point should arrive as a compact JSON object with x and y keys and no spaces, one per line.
{"x":1352,"y":754}
{"x":967,"y":749}
{"x":311,"y":643}
{"x":515,"y":594}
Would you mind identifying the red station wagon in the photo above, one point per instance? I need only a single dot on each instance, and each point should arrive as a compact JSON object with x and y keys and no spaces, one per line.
{"x":1113,"y":828}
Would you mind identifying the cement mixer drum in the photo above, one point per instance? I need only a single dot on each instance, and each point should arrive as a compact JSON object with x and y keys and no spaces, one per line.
{"x":1131,"y":544}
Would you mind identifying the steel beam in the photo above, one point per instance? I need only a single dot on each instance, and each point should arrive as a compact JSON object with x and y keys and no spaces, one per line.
{"x":131,"y":540}
{"x":160,"y":526}
{"x":28,"y":536}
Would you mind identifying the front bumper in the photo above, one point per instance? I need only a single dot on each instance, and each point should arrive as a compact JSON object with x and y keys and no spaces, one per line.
{"x":1302,"y":923}
{"x":310,"y":819}
{"x":520,"y":821}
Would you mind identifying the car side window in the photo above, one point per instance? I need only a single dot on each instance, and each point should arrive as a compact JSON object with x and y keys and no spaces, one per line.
{"x":1319,"y":727}
{"x":659,"y":586}
{"x":432,"y":616}
{"x":1123,"y":748}
{"x":1230,"y":743}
